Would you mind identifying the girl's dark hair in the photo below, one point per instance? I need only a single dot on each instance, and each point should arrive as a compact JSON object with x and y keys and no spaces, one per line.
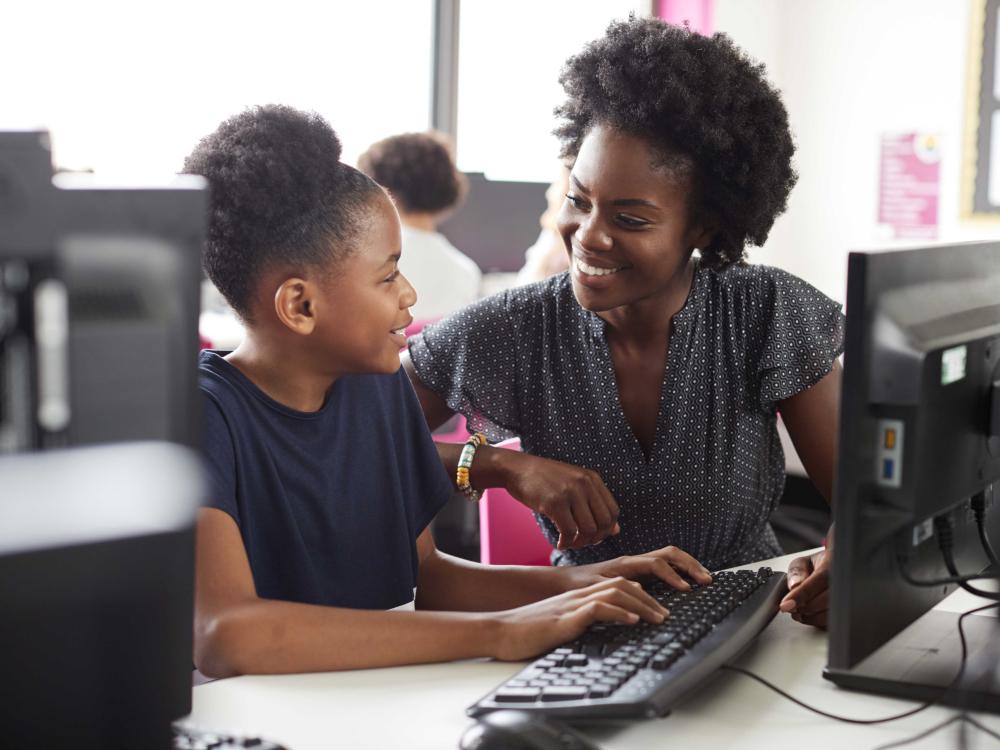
{"x":417,"y":169}
{"x":695,"y":99}
{"x":280,"y":197}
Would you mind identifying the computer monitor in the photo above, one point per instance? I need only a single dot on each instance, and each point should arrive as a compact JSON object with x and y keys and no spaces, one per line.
{"x":497,"y":222}
{"x":99,"y":304}
{"x":96,"y":586}
{"x":919,"y":452}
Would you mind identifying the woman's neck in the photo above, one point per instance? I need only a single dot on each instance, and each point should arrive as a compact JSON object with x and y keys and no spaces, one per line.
{"x":281,"y":374}
{"x":650,"y":320}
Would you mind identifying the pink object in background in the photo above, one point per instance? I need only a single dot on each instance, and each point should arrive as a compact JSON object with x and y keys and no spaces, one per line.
{"x":698,"y":15}
{"x":417,"y":326}
{"x":508,"y":532}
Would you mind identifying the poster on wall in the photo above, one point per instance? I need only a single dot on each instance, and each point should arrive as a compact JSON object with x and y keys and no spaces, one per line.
{"x":909,"y":185}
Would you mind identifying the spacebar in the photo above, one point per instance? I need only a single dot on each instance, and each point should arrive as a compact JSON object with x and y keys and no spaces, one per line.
{"x":517,"y":695}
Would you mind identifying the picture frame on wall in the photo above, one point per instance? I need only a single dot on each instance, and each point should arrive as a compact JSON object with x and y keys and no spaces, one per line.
{"x":980,"y":199}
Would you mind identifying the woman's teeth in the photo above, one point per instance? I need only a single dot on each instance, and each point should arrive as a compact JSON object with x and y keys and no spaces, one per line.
{"x":594,"y":270}
{"x":400,"y":332}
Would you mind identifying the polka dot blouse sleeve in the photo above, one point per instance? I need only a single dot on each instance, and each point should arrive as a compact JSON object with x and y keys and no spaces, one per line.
{"x":802,"y":334}
{"x":470,"y":359}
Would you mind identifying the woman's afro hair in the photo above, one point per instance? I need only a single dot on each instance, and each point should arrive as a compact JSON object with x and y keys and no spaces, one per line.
{"x":417,"y":169}
{"x":689,"y":96}
{"x":280,"y":197}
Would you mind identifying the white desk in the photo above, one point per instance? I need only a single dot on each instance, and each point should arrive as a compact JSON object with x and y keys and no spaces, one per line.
{"x":422,"y":707}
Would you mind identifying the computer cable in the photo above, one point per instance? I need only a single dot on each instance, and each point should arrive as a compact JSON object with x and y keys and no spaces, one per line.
{"x":884,"y":720}
{"x":978,"y":504}
{"x":945,"y":535}
{"x":939,"y":581}
{"x":938,"y":727}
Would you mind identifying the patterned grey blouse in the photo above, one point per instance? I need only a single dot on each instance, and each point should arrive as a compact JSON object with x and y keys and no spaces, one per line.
{"x":531,"y":362}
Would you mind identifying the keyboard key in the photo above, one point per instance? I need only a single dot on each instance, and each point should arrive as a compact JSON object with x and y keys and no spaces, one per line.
{"x":574,"y":660}
{"x":661,"y":662}
{"x":517,"y":695}
{"x":571,"y":693}
{"x":600,"y":691}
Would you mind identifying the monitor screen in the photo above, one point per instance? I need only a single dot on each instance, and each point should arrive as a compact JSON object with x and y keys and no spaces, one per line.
{"x":99,"y":303}
{"x":918,"y":467}
{"x":96,"y":580}
{"x":497,"y":222}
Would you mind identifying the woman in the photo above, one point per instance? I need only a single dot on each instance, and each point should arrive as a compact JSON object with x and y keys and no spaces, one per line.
{"x":660,"y":360}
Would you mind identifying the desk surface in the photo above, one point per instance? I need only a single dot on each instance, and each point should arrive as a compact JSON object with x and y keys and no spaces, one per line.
{"x":422,"y":707}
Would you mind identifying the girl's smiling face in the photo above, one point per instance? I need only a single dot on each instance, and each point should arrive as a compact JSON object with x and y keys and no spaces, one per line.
{"x":367,"y":300}
{"x":625,"y":222}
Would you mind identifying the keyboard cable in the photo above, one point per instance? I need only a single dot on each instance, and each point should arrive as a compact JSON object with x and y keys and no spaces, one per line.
{"x":886,"y":719}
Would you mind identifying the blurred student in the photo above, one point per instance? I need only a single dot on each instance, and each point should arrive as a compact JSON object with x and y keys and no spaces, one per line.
{"x":547,"y":256}
{"x":323,"y":473}
{"x":420,"y":174}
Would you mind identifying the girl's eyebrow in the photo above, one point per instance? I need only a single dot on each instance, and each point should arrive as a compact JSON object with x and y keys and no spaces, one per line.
{"x":620,"y":201}
{"x":392,"y":259}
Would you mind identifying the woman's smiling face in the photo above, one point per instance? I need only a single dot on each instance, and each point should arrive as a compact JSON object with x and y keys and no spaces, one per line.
{"x":625,"y":222}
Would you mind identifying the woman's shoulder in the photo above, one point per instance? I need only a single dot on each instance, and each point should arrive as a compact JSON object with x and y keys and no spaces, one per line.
{"x":756,"y":283}
{"x":544,"y":297}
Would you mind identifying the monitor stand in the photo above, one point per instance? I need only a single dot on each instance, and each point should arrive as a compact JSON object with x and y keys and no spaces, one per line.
{"x":921,"y":662}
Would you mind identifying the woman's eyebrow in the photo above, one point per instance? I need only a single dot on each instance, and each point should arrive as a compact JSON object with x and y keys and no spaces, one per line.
{"x":619,"y":201}
{"x":635,"y":202}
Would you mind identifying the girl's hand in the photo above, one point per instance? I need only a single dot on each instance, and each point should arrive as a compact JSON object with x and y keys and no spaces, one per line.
{"x":576,"y":499}
{"x":531,"y":630}
{"x":662,"y":563}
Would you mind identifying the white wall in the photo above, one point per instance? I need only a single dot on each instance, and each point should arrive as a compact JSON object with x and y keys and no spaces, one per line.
{"x":850,"y":71}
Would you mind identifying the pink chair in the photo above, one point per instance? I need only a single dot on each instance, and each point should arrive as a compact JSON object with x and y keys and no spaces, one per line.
{"x":508,"y":532}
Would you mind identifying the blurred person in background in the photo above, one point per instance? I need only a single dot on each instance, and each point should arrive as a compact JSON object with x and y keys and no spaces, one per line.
{"x":418,"y":170}
{"x":547,"y":256}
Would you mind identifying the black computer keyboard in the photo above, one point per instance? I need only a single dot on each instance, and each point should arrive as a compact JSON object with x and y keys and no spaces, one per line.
{"x":629,"y":671}
{"x":192,"y":738}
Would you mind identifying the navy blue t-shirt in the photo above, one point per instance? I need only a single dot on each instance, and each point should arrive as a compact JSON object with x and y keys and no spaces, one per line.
{"x":329,"y":503}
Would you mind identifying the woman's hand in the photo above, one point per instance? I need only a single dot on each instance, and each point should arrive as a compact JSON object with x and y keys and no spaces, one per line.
{"x":576,"y":499}
{"x":808,"y":597}
{"x":536,"y":628}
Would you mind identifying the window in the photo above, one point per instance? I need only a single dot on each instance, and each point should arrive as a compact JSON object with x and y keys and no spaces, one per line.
{"x":128,"y":91}
{"x":510,"y":55}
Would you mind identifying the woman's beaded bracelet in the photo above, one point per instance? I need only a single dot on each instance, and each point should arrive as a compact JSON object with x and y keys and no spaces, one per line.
{"x":465,"y":463}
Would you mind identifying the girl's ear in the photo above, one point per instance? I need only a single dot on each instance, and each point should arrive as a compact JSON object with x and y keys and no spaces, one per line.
{"x":294,"y":304}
